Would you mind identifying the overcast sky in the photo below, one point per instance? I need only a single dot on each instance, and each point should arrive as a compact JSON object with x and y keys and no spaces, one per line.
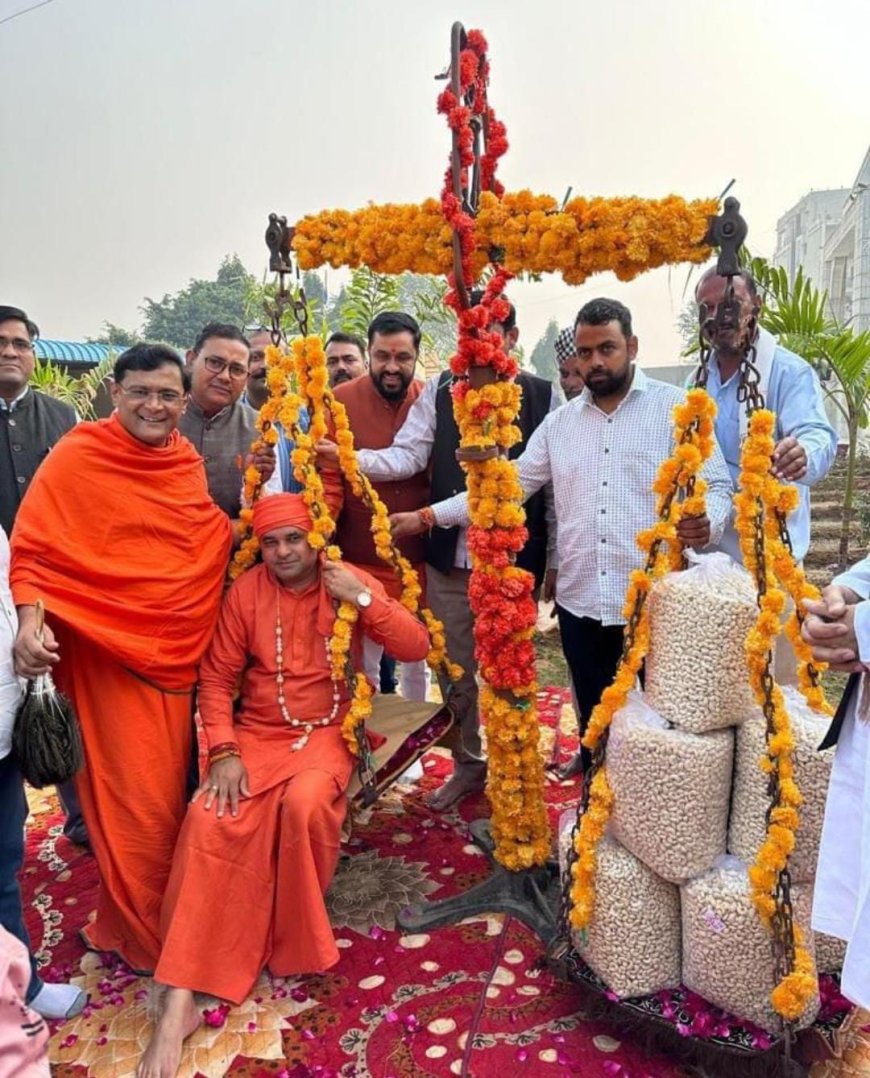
{"x":144,"y":139}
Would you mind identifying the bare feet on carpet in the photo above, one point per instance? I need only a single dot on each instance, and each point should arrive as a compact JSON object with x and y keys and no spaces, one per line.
{"x":465,"y":780}
{"x":572,"y":769}
{"x":179,"y":1018}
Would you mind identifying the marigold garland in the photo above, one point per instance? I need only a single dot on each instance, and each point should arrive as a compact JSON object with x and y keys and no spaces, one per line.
{"x":500,"y":594}
{"x":758,"y":503}
{"x":385,"y":548}
{"x":693,"y":445}
{"x":280,"y":378}
{"x":625,"y":236}
{"x":305,"y":365}
{"x":310,"y":368}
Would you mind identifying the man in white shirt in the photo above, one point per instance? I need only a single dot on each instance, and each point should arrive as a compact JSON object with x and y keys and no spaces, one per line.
{"x":806,"y":443}
{"x":49,"y":1000}
{"x":429,"y":438}
{"x":601,"y":453}
{"x":838,"y":628}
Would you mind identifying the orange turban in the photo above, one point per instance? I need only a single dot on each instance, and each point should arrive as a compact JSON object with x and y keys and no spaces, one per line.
{"x":280,"y":511}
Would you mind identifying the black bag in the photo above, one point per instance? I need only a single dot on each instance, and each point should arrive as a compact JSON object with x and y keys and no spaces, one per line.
{"x":46,"y":742}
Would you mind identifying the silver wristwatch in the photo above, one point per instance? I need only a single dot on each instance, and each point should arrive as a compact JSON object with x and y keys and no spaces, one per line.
{"x":364,"y":599}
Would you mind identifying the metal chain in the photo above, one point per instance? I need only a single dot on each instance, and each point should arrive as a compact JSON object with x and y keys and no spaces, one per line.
{"x":782,"y":921}
{"x":748,"y":388}
{"x":705,"y":351}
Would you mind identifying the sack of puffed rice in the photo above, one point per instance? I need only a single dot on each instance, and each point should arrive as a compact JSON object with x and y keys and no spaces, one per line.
{"x":830,"y":953}
{"x":696,"y":673}
{"x":727,"y":955}
{"x":633,"y":940}
{"x":812,"y":773}
{"x":671,"y":791}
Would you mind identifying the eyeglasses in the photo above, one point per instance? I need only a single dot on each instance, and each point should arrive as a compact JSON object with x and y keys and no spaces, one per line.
{"x":217,"y":366}
{"x":17,"y":344}
{"x":139,"y":394}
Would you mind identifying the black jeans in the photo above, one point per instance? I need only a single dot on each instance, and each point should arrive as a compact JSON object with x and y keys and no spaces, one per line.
{"x":592,"y":651}
{"x":13,"y":813}
{"x":74,"y":824}
{"x":388,"y":674}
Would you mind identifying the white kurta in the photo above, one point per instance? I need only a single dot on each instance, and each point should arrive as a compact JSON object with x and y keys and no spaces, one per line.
{"x":841,"y":904}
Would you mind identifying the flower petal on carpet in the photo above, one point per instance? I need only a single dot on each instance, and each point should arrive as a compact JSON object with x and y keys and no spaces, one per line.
{"x":463,"y":999}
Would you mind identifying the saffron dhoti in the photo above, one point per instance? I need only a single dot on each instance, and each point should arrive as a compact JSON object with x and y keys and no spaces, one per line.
{"x":261,"y":877}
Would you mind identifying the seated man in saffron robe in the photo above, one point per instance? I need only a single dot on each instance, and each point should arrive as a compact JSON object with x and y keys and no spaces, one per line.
{"x":120,"y":539}
{"x":260,"y":841}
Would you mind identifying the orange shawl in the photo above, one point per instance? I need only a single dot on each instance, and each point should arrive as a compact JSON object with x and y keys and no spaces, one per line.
{"x":125,"y":546}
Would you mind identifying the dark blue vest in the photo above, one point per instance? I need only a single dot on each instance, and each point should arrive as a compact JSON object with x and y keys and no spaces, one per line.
{"x":448,"y":478}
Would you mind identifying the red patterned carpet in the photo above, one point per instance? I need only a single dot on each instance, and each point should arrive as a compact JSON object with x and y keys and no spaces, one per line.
{"x":461,"y":1000}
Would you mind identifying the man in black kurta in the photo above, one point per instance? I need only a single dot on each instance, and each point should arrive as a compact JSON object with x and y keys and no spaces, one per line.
{"x":30,"y":424}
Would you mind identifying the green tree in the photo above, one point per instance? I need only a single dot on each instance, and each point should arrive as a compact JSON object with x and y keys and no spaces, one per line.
{"x":422,"y":295}
{"x":333,"y":310}
{"x":315,"y":289}
{"x":800,"y":316}
{"x":366,"y":294}
{"x":543,"y":357}
{"x":687,"y":326}
{"x":177,"y":319}
{"x":116,"y":336}
{"x":260,"y":297}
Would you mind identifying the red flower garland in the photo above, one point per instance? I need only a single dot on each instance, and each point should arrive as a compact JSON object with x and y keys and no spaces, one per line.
{"x":500,"y":595}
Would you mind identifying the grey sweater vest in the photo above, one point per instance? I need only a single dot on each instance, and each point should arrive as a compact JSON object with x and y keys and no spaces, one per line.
{"x":223,"y":441}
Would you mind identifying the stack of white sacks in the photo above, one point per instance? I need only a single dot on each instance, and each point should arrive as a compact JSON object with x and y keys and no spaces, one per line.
{"x":672,"y":893}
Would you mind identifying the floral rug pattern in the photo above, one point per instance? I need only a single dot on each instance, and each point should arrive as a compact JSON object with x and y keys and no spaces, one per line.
{"x":467,"y":999}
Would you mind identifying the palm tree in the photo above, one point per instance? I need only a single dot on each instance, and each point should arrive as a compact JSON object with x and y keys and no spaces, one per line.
{"x":799,"y":315}
{"x":79,"y":392}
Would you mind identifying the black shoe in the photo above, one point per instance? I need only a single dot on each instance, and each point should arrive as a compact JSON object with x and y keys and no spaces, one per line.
{"x":77,"y":833}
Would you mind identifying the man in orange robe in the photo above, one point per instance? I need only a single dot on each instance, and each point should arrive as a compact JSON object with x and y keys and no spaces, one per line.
{"x":260,"y":843}
{"x":119,"y":538}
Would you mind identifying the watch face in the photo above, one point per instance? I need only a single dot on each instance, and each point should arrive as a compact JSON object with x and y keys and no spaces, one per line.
{"x":364,"y":599}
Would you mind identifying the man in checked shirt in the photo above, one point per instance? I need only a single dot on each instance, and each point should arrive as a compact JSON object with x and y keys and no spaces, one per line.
{"x":601,"y":452}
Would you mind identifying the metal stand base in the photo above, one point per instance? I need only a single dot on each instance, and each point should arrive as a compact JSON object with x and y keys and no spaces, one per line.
{"x":532,"y":896}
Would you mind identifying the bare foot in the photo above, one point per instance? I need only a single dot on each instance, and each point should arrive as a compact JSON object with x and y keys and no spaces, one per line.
{"x":178,"y":1019}
{"x":463,"y":781}
{"x":572,"y":769}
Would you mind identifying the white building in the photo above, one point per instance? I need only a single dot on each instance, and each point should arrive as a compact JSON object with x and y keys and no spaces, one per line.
{"x":828,"y":233}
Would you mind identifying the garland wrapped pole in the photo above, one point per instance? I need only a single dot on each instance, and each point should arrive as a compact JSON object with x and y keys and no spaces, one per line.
{"x":483,"y":234}
{"x":486,"y":402}
{"x":475,"y":226}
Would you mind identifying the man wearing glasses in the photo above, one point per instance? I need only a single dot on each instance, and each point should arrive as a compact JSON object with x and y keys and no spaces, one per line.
{"x":30,"y":422}
{"x":218,"y":423}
